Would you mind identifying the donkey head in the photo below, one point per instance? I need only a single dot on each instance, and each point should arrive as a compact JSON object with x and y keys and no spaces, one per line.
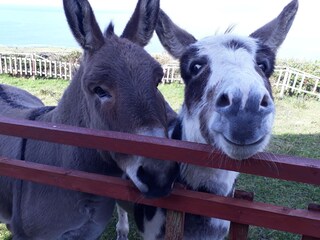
{"x":228,"y":99}
{"x":119,"y":81}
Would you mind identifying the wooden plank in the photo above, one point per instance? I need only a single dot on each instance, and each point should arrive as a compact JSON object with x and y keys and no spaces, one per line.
{"x":291,"y":168}
{"x":60,"y":70}
{"x":40,"y":67}
{"x":15,"y":70}
{"x":239,"y":231}
{"x":20,"y":65}
{"x":5,"y":65}
{"x":30,"y":66}
{"x":34,"y":67}
{"x":45,"y":67}
{"x":315,"y":208}
{"x":284,"y":83}
{"x":259,"y":214}
{"x":175,"y":222}
{"x":65,"y":71}
{"x":25,"y":65}
{"x":10,"y":64}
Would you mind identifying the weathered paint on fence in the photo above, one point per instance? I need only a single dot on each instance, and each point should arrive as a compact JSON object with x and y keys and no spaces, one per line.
{"x":34,"y":65}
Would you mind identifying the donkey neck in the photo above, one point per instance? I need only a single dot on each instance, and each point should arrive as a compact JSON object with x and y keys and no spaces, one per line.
{"x":217,"y":181}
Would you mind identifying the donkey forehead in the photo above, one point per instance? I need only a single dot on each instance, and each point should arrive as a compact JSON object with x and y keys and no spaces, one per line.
{"x":228,"y":49}
{"x":125,"y":54}
{"x":121,"y":60}
{"x":231,"y":58}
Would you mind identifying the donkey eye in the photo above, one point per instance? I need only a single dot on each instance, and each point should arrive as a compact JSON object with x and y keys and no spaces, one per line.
{"x":101,"y":93}
{"x":262,"y":67}
{"x":195,"y":68}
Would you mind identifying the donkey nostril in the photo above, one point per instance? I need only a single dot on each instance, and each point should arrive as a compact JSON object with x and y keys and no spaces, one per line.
{"x":143,"y":175}
{"x":265,"y":101}
{"x":223,"y":101}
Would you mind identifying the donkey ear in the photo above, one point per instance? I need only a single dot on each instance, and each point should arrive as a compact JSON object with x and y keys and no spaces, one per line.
{"x":142,"y":23}
{"x":83,"y":24}
{"x":273,"y":33}
{"x":173,"y":38}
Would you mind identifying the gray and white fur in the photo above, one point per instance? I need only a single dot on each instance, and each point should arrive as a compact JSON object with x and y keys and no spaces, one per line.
{"x":228,"y":104}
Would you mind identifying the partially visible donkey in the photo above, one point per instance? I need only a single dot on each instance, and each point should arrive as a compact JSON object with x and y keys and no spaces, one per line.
{"x":114,"y":89}
{"x":228,"y":104}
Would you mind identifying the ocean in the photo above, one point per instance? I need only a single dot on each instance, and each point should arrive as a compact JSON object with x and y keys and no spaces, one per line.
{"x":28,"y":26}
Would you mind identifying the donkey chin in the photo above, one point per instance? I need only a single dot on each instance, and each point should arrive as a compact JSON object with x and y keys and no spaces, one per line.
{"x":243,"y":142}
{"x":241,"y":151}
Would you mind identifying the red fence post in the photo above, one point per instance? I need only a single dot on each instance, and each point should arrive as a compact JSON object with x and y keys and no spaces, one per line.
{"x":239,"y":231}
{"x":316,"y":208}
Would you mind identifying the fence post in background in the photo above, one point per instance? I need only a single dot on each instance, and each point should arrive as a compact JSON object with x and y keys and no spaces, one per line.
{"x":20,"y":66}
{"x":30,"y":65}
{"x":45,"y":67}
{"x":60,"y":70}
{"x":315,"y":208}
{"x":10,"y":64}
{"x":65,"y":71}
{"x":15,"y":67}
{"x":40,"y":67}
{"x":50,"y":69}
{"x":25,"y":65}
{"x":70,"y":71}
{"x":240,"y":231}
{"x":1,"y":70}
{"x":34,"y":66}
{"x":5,"y":65}
{"x":284,"y":83}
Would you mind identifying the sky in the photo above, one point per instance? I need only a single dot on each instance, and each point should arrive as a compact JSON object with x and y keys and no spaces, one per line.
{"x":206,"y":17}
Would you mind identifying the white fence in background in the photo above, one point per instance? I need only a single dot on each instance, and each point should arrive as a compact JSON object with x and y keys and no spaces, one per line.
{"x":293,"y":81}
{"x":288,"y":80}
{"x":171,"y":73}
{"x":34,"y":65}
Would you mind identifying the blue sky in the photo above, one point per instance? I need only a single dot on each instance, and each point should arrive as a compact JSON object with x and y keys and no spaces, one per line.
{"x":206,"y":17}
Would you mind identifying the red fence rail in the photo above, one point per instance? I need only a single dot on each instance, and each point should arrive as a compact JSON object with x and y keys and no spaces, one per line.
{"x":304,"y":170}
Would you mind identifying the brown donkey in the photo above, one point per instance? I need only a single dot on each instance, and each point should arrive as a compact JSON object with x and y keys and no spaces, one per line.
{"x":114,"y":89}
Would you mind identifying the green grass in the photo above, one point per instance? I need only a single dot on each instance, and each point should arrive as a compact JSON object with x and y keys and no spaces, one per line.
{"x":49,"y":91}
{"x":296,"y":132}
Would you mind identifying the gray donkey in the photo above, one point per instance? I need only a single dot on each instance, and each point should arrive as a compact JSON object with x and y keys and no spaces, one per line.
{"x":228,"y":104}
{"x":114,"y":89}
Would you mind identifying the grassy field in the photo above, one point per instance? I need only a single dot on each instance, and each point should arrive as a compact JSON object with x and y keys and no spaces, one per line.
{"x":296,"y":132}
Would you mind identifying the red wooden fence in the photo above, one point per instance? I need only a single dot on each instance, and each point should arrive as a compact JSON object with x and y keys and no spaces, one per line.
{"x":305,"y":222}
